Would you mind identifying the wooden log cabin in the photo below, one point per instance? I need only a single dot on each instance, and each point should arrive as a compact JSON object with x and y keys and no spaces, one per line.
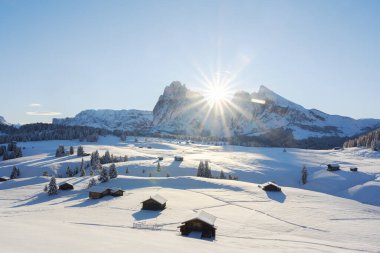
{"x":155,"y":203}
{"x":333,"y":167}
{"x":270,"y":186}
{"x":98,"y":192}
{"x":66,"y":186}
{"x":203,"y":222}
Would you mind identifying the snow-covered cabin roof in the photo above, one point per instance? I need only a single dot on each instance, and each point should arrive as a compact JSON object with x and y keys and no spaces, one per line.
{"x":159,"y":199}
{"x":205,"y":217}
{"x":98,"y":189}
{"x":115,"y":190}
{"x":335,"y":165}
{"x":270,"y":183}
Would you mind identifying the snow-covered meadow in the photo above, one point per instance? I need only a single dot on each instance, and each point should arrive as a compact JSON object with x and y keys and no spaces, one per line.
{"x":334,"y":212}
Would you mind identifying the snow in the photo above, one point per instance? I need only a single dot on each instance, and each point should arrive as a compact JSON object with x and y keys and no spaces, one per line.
{"x":158,"y":198}
{"x":205,"y":217}
{"x":334,"y":212}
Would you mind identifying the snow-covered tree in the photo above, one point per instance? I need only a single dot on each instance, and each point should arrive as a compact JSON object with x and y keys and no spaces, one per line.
{"x":14,"y":173}
{"x":126,"y":171}
{"x":222,"y":176}
{"x":201,"y":169}
{"x":52,"y":188}
{"x":80,"y":151}
{"x":60,"y":151}
{"x":91,"y":183}
{"x":82,"y":171}
{"x":103,"y":176}
{"x":69,"y":172}
{"x":113,"y":171}
{"x":207,"y":170}
{"x":92,"y":173}
{"x":71,"y":150}
{"x":158,"y":167}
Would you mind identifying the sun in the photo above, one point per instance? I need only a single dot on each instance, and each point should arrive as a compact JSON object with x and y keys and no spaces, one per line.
{"x":216,"y":95}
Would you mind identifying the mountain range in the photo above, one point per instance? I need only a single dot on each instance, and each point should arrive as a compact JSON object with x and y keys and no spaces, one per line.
{"x":181,"y":111}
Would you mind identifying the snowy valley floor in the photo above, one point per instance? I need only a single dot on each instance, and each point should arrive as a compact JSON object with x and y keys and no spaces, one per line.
{"x":330,"y":214}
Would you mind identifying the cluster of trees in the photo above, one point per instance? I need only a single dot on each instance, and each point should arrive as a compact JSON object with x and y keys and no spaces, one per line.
{"x":44,"y":131}
{"x":106,"y":158}
{"x":204,"y":170}
{"x":370,"y":140}
{"x":11,"y":151}
{"x":107,"y":174}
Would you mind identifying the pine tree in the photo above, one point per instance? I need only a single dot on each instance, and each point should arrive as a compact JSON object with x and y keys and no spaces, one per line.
{"x":71,"y":150}
{"x":82,"y":172}
{"x":158,"y":167}
{"x":222,"y":176}
{"x":52,"y":188}
{"x":103,"y":176}
{"x":167,"y":175}
{"x":207,"y":170}
{"x":126,"y":171}
{"x":91,"y":183}
{"x":304,"y":175}
{"x":69,"y":172}
{"x":80,"y":151}
{"x":201,"y":169}
{"x":92,"y":173}
{"x":113,"y":171}
{"x":14,"y":173}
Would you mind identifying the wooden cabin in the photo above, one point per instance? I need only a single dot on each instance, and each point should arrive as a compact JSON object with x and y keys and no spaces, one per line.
{"x":333,"y":167}
{"x":270,"y":186}
{"x":98,"y":192}
{"x":203,"y":222}
{"x":66,"y":186}
{"x":354,"y":169}
{"x":3,"y":179}
{"x":116,"y":192}
{"x":155,"y":203}
{"x":160,"y":158}
{"x":178,"y":158}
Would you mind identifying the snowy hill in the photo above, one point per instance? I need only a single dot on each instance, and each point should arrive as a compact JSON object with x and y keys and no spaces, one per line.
{"x":128,"y":120}
{"x":325,"y":215}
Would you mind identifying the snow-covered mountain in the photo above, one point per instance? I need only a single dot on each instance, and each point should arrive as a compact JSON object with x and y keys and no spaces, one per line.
{"x":128,"y":120}
{"x":180,"y":110}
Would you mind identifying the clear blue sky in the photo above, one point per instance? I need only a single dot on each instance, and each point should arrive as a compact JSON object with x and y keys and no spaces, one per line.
{"x":68,"y":56}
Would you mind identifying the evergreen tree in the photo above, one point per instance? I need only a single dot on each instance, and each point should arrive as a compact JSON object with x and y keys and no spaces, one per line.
{"x":14,"y":173}
{"x":91,"y":183}
{"x":80,"y":151}
{"x":69,"y":172}
{"x":304,"y":175}
{"x":60,"y":151}
{"x":158,"y":167}
{"x":167,"y":175}
{"x":125,"y":158}
{"x":52,"y":188}
{"x":201,"y":169}
{"x":103,"y":176}
{"x":92,"y":173}
{"x":71,"y":150}
{"x":113,"y":171}
{"x":207,"y":170}
{"x":126,"y":171}
{"x":222,"y":176}
{"x":82,"y":171}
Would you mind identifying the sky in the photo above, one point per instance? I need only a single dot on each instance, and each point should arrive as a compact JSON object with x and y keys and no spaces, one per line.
{"x":58,"y":58}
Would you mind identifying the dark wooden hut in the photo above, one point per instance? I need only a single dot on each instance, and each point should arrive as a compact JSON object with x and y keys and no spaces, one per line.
{"x":354,"y":169}
{"x":333,"y":167}
{"x":270,"y":186}
{"x":116,"y":192}
{"x":178,"y":158}
{"x":98,"y":192}
{"x":66,"y":186}
{"x":203,"y":222}
{"x":160,"y":158}
{"x":3,"y":179}
{"x":154,"y":203}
